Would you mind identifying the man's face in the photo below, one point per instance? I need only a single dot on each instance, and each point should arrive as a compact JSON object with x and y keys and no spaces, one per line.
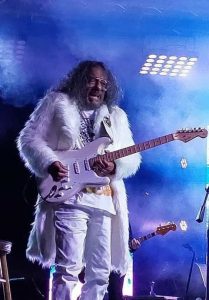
{"x":96,"y":87}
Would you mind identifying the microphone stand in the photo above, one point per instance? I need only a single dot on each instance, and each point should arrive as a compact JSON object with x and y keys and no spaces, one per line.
{"x":190,"y":271}
{"x":199,"y":219}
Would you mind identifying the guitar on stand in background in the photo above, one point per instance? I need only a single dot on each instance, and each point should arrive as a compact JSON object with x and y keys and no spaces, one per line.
{"x":128,"y":281}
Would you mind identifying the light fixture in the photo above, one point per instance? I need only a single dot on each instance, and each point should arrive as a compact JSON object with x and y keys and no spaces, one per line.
{"x":171,"y":65}
{"x":147,"y":64}
{"x":183,"y":225}
{"x":150,"y":60}
{"x":11,"y":51}
{"x":173,"y":57}
{"x":152,"y":56}
{"x":183,"y":163}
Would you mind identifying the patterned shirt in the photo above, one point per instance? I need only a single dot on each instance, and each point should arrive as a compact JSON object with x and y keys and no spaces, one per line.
{"x":87,"y":126}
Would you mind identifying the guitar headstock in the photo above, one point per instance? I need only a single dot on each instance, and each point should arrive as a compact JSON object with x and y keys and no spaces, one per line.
{"x":186,"y":135}
{"x":166,"y":228}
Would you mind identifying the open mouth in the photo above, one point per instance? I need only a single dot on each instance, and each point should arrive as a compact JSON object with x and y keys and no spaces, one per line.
{"x":93,"y":97}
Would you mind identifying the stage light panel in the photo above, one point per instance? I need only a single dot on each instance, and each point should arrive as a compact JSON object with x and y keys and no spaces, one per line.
{"x":11,"y":51}
{"x":171,"y":65}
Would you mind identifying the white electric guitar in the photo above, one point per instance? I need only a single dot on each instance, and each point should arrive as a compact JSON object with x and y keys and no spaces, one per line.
{"x":80,"y":162}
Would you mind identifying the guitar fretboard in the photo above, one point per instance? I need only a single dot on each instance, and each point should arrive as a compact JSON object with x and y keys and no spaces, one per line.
{"x":146,"y":237}
{"x":111,"y":156}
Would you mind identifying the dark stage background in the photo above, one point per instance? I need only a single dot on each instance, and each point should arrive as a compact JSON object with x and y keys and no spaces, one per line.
{"x":39,"y":43}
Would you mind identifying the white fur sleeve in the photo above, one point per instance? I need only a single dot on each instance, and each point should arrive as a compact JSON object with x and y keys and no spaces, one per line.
{"x":126,"y":166}
{"x":32,"y":140}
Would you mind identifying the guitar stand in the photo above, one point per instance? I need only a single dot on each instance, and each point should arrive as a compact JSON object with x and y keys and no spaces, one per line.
{"x":190,"y":271}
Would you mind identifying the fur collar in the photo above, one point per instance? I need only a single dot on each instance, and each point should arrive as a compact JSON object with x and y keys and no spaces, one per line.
{"x":68,"y":116}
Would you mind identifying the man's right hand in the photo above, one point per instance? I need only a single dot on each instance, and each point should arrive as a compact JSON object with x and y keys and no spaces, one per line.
{"x":57,"y":170}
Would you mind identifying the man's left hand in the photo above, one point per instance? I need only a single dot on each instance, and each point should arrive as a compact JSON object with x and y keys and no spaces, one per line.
{"x":134,"y":244}
{"x":104,"y":168}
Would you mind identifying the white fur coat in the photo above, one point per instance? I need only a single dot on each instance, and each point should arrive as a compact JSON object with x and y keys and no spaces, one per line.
{"x":54,"y":125}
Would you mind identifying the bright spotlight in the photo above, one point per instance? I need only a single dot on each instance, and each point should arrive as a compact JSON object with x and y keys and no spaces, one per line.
{"x":152,"y":56}
{"x":172,"y":63}
{"x":183,"y":225}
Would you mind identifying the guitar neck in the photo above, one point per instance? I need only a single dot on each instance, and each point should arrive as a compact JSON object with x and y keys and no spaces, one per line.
{"x":110,"y":156}
{"x":147,"y":237}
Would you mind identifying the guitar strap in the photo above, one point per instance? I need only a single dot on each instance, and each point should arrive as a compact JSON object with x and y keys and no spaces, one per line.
{"x":106,"y":128}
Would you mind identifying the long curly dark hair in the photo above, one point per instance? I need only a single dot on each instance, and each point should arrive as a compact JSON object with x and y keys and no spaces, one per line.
{"x":74,"y":84}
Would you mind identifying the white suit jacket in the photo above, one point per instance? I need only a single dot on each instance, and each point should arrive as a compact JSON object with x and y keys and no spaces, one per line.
{"x":55,"y":125}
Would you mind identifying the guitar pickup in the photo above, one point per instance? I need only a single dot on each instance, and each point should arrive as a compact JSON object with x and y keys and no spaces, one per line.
{"x":76,"y":168}
{"x":86,"y":164}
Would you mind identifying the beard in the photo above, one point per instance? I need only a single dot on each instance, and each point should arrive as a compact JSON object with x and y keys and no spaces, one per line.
{"x":90,"y":101}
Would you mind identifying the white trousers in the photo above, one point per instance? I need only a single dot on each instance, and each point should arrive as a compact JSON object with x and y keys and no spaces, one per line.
{"x":82,"y":234}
